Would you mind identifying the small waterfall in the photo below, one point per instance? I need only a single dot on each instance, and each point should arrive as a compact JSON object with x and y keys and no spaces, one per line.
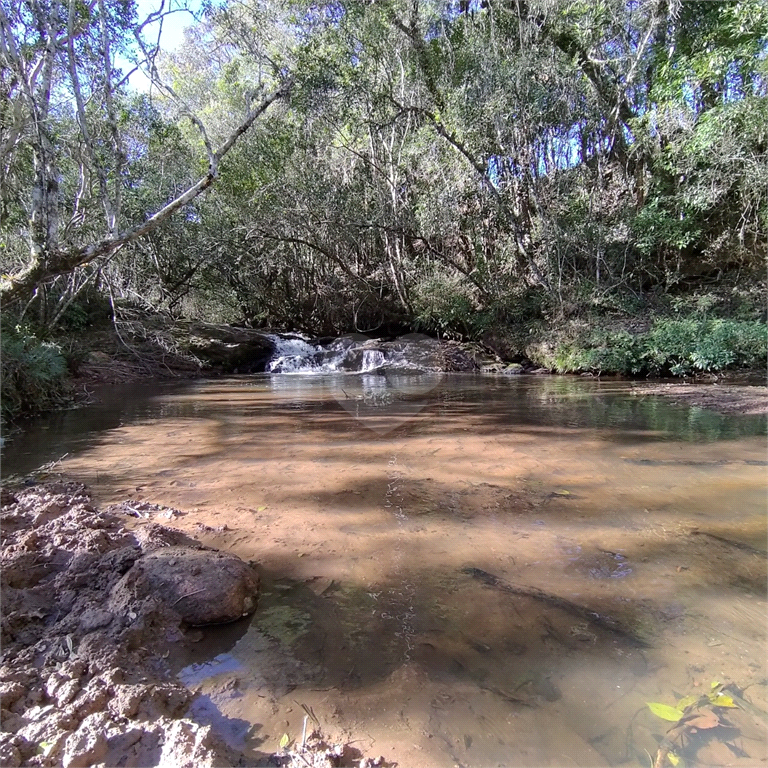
{"x":350,"y":354}
{"x":373,"y":359}
{"x":293,"y":354}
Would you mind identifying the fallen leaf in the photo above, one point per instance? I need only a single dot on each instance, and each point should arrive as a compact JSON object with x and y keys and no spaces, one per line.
{"x":721,"y":700}
{"x":665,"y":712}
{"x":686,"y":702}
{"x":703,"y":720}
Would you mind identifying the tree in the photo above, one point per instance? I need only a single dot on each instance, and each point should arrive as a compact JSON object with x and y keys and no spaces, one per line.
{"x":437,"y":158}
{"x":65,"y":98}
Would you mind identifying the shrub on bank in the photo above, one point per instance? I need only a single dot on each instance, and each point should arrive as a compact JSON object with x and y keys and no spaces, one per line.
{"x":670,"y":347}
{"x":32,"y":373}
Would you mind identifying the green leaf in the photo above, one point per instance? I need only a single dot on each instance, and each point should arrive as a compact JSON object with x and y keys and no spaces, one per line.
{"x":562,"y":493}
{"x":721,"y":700}
{"x":665,"y":712}
{"x":715,"y":684}
{"x":261,"y":509}
{"x":686,"y":702}
{"x":45,"y":748}
{"x":673,"y":758}
{"x":285,"y":741}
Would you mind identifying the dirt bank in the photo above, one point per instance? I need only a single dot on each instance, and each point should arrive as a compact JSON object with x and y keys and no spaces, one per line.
{"x":724,"y":398}
{"x":84,"y":679}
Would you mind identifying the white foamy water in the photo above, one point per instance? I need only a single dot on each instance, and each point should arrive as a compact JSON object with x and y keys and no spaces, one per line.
{"x":295,"y":354}
{"x":372,"y":359}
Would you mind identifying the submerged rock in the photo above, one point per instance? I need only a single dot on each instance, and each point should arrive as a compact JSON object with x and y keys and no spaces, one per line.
{"x":204,"y":587}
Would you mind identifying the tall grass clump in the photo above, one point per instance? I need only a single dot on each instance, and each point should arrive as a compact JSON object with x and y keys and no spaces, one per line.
{"x":33,"y":373}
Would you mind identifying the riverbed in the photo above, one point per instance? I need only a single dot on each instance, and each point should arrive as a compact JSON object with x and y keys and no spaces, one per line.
{"x":457,"y":569}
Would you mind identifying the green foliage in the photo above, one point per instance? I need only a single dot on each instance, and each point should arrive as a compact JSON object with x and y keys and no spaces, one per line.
{"x":665,"y":712}
{"x":658,"y":228}
{"x":453,"y":170}
{"x":33,"y":373}
{"x":444,"y":306}
{"x":88,"y":309}
{"x":670,"y":347}
{"x":683,"y":347}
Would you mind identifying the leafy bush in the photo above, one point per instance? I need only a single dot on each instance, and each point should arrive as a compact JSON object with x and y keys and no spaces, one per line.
{"x":443,"y":305}
{"x":675,"y":347}
{"x":685,"y":346}
{"x":89,"y":309}
{"x":32,"y":372}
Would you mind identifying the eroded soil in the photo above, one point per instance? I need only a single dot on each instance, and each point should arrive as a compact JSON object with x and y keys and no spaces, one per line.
{"x":84,"y":679}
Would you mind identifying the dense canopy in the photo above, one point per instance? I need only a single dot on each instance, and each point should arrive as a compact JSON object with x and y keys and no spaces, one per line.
{"x":429,"y":164}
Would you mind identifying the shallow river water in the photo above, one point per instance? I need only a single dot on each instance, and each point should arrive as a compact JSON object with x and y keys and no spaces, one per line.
{"x":456,"y":570}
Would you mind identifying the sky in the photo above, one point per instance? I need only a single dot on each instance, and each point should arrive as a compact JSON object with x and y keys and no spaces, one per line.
{"x":172,"y":31}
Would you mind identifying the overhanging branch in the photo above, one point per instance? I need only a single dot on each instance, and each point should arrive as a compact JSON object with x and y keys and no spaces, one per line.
{"x":23,"y":283}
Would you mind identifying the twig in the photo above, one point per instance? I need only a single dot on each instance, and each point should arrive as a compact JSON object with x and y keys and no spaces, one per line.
{"x":605,"y":622}
{"x":189,"y":594}
{"x":729,"y":542}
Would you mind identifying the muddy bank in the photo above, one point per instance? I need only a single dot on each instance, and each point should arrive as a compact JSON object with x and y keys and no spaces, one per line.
{"x":92,"y":606}
{"x":724,"y":398}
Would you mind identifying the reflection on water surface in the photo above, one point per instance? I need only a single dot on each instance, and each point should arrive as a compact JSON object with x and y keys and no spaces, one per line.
{"x":456,"y":570}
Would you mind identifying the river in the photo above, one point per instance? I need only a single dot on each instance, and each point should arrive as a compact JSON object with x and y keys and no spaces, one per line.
{"x":456,"y":569}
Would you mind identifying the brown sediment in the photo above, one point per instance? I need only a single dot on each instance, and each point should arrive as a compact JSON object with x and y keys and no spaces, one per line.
{"x":84,"y":678}
{"x":729,"y":542}
{"x":591,"y":616}
{"x":361,"y":536}
{"x":749,"y":400}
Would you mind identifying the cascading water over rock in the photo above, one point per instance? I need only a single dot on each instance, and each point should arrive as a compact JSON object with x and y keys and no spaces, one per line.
{"x":294,"y":354}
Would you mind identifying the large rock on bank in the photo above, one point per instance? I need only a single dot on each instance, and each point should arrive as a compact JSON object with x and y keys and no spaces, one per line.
{"x":203,"y":586}
{"x":225,"y":347}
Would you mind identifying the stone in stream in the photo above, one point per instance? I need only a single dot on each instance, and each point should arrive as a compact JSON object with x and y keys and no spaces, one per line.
{"x":203,"y":586}
{"x":225,"y":347}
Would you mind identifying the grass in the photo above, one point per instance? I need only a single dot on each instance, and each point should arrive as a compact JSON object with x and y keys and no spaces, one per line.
{"x":33,"y":373}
